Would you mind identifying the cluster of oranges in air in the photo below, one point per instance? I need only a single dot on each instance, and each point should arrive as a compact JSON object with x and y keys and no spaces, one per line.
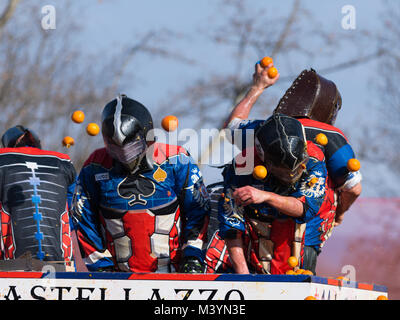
{"x":92,"y":128}
{"x":169,"y":123}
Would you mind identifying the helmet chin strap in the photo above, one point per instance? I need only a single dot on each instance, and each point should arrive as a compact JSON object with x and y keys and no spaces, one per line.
{"x":293,"y":177}
{"x":134,"y":166}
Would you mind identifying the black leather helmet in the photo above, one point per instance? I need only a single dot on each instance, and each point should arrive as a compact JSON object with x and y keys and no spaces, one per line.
{"x":281,"y":144}
{"x":127,"y":127}
{"x":311,"y":96}
{"x":19,"y":136}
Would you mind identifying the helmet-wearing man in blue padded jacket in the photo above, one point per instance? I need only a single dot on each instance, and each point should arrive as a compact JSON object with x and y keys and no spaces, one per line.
{"x":139,"y":205}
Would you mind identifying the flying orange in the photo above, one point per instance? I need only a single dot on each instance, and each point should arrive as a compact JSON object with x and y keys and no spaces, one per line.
{"x":260,"y":172}
{"x":170,"y":123}
{"x":92,"y":129}
{"x":68,"y":142}
{"x":78,"y":116}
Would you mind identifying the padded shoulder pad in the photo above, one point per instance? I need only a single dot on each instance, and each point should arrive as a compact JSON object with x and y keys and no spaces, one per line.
{"x":163,"y":151}
{"x":315,"y":152}
{"x":100,"y":157}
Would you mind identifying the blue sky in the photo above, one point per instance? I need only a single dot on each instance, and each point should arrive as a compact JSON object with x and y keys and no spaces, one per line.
{"x":110,"y":24}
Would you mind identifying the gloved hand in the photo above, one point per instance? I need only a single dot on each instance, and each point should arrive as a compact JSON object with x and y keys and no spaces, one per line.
{"x":191,"y":265}
{"x":106,"y":269}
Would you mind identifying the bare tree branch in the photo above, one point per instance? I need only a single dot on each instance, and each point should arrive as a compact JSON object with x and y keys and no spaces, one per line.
{"x":8,"y":12}
{"x":47,"y":77}
{"x":287,"y":28}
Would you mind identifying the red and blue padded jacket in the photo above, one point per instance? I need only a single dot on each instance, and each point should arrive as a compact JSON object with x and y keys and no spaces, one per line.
{"x":143,"y":222}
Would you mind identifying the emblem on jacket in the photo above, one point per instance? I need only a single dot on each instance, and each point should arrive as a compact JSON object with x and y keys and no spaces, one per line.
{"x":313,"y":189}
{"x":136,"y":188}
{"x":160,"y":175}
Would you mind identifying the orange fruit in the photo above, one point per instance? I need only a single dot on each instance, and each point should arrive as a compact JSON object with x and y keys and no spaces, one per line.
{"x":353,"y":165}
{"x":292,"y":262}
{"x":169,"y":123}
{"x":308,"y":272}
{"x":272,"y":72}
{"x":266,"y":61}
{"x":68,"y":142}
{"x":92,"y":129}
{"x":78,"y":116}
{"x":382,"y":298}
{"x":290,"y":272}
{"x":310,"y":298}
{"x":300,"y":271}
{"x":260,"y":172}
{"x":321,"y":139}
